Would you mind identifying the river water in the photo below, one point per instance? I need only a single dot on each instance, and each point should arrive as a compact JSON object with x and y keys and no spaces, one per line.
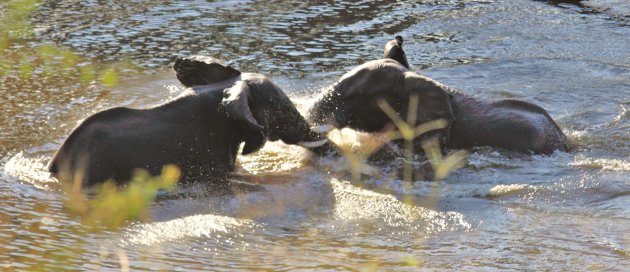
{"x":502,"y":211}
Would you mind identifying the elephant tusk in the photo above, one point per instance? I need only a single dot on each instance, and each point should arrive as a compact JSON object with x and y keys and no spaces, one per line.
{"x":312,"y":144}
{"x":322,"y":129}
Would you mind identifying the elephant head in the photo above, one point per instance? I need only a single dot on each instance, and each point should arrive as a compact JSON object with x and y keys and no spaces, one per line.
{"x":265,"y":112}
{"x":354,"y":100}
{"x":256,"y":103}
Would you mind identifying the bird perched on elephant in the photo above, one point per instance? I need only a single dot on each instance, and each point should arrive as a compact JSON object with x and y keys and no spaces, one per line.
{"x":509,"y":124}
{"x":200,"y":132}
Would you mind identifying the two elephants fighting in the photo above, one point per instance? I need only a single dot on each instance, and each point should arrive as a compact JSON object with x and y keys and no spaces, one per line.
{"x":201,"y":131}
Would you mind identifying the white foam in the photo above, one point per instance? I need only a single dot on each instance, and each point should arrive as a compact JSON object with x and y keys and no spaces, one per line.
{"x":601,"y":163}
{"x":510,"y":189}
{"x":273,"y":158}
{"x":31,"y":170}
{"x":353,"y":203}
{"x":206,"y":225}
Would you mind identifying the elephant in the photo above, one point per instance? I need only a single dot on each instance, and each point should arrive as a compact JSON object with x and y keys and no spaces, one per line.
{"x":353,"y":101}
{"x":200,"y":131}
{"x":508,"y":124}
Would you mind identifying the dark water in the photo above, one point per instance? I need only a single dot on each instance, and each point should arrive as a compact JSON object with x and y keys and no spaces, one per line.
{"x":503,"y":211}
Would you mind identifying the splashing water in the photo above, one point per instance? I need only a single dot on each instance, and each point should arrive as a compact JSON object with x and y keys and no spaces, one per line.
{"x":503,"y":211}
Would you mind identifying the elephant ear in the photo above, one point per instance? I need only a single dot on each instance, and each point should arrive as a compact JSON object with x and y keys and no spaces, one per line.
{"x":393,"y":50}
{"x":236,"y":100}
{"x":202,"y":70}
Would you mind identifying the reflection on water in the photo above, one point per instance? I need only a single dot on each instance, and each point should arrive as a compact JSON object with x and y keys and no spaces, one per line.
{"x":503,"y":211}
{"x":258,"y":35}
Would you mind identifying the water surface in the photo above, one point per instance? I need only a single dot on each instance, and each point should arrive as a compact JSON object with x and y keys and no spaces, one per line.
{"x":503,"y":211}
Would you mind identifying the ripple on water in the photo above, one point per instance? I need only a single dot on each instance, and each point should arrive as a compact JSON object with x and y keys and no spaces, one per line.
{"x":566,"y":211}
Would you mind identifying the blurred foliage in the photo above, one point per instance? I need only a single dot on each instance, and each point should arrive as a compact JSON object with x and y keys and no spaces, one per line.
{"x":355,"y":158}
{"x":26,"y":61}
{"x":106,"y":207}
{"x":441,"y":165}
{"x":109,"y":77}
{"x":408,"y":131}
{"x":111,"y":206}
{"x":15,"y":15}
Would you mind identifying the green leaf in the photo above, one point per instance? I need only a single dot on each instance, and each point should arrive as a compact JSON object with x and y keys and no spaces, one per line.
{"x":4,"y":42}
{"x":87,"y":74}
{"x":25,"y":71}
{"x":109,"y":78}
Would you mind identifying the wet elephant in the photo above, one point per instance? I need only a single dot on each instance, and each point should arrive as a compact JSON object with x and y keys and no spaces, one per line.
{"x":353,"y":101}
{"x":199,"y":132}
{"x":509,"y":124}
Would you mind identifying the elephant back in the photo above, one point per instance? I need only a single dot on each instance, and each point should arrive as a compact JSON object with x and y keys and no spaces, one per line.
{"x":509,"y":124}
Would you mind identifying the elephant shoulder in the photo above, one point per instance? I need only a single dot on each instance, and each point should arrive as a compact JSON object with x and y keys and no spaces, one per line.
{"x":387,"y":66}
{"x":374,"y":78}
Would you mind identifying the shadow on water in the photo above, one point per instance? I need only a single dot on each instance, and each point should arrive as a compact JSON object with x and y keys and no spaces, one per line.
{"x":577,"y":3}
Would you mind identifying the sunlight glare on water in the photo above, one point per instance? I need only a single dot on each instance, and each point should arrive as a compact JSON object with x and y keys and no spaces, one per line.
{"x":178,"y":230}
{"x":285,"y":210}
{"x":602,"y":163}
{"x":356,"y":204}
{"x":31,"y":170}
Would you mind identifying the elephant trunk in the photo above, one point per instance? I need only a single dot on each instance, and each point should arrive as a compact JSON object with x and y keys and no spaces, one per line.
{"x":329,"y":148}
{"x":317,"y":142}
{"x":294,"y":129}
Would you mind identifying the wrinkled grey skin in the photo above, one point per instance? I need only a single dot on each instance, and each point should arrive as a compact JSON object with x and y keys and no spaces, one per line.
{"x":509,"y":124}
{"x":200,"y":132}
